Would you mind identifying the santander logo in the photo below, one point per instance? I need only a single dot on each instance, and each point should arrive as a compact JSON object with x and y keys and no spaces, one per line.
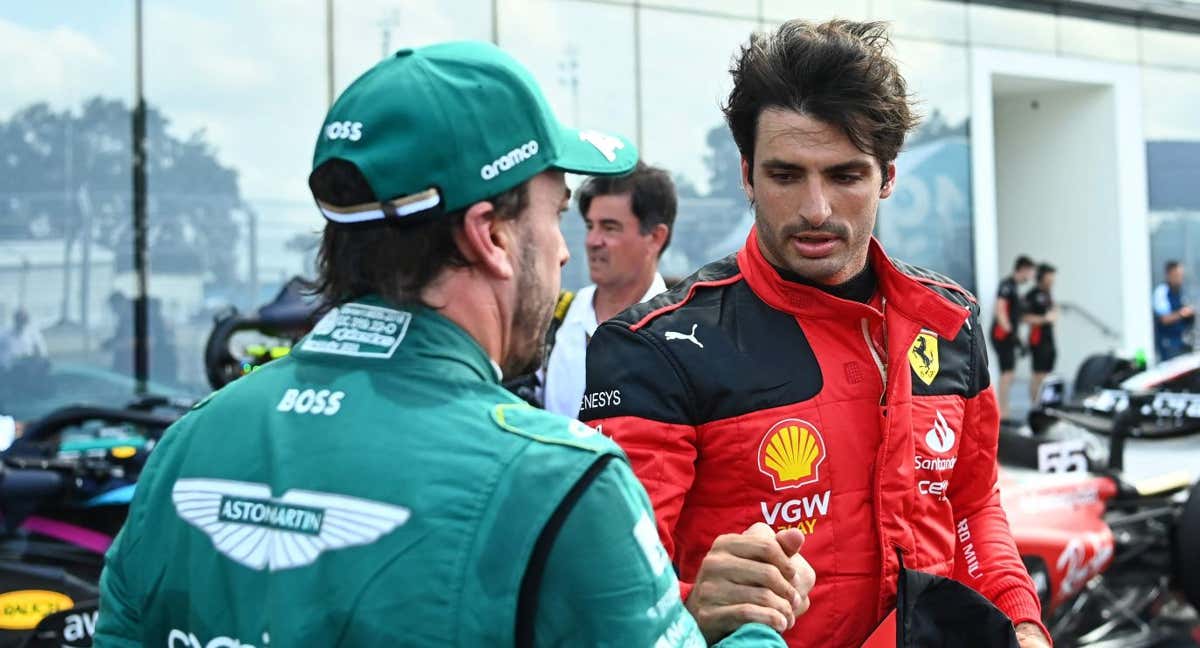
{"x":940,"y":437}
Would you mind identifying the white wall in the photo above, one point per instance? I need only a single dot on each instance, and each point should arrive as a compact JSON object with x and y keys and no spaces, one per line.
{"x":1123,"y":186}
{"x":1056,"y":200}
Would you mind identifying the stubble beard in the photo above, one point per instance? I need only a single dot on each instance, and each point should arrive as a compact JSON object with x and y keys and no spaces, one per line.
{"x":531,"y":317}
{"x":777,"y":243}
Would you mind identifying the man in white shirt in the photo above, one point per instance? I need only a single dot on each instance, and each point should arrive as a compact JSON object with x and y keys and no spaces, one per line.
{"x":25,"y":339}
{"x":629,"y":220}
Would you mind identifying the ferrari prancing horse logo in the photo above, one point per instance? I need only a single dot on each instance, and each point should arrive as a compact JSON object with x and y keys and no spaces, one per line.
{"x":923,"y":356}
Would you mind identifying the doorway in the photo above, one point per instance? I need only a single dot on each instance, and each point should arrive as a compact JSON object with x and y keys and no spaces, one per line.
{"x":1067,"y":187}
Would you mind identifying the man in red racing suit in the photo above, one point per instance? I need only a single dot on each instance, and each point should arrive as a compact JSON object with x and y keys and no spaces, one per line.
{"x":741,"y":397}
{"x":809,"y":381}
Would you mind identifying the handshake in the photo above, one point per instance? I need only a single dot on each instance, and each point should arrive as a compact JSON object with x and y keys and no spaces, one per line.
{"x":757,"y":576}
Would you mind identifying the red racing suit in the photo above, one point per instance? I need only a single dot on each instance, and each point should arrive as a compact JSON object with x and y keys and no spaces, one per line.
{"x":741,"y":397}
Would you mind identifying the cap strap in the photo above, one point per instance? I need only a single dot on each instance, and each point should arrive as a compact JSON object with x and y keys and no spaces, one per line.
{"x":395,"y":208}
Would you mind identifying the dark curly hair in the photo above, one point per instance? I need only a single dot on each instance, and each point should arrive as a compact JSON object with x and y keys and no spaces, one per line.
{"x":387,"y":257}
{"x":838,"y":72}
{"x":1044,"y":269}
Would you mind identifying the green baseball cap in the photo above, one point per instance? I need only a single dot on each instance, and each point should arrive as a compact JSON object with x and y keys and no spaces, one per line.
{"x":439,"y":128}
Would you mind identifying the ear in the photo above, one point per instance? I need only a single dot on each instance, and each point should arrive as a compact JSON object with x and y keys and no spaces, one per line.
{"x":485,"y":242}
{"x":890,"y":183}
{"x":658,"y":236}
{"x":747,"y":180}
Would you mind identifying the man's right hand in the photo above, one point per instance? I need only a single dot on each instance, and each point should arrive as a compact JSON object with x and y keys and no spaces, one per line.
{"x":755,"y":576}
{"x":1186,"y":312}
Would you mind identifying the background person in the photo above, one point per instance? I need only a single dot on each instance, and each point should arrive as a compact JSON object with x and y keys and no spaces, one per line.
{"x":25,"y":341}
{"x":1173,"y":318}
{"x":629,"y":220}
{"x":5,"y":341}
{"x":1005,"y":337}
{"x":1041,"y":313}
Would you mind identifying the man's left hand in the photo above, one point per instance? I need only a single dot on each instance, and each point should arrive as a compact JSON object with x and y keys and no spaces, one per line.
{"x":1030,"y":636}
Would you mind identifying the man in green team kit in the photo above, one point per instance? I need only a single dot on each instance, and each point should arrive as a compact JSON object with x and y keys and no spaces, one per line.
{"x":378,"y":486}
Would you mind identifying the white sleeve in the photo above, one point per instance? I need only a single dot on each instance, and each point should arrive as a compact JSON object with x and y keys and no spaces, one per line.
{"x":565,"y":372}
{"x":1162,"y":303}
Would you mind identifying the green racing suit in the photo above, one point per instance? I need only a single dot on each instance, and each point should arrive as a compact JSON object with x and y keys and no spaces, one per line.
{"x":379,"y":487}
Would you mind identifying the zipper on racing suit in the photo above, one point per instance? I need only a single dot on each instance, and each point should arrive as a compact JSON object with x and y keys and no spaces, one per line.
{"x":879,"y":355}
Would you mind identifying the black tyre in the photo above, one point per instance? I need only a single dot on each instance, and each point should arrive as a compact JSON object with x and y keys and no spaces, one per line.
{"x":1187,"y":548}
{"x":1099,"y":371}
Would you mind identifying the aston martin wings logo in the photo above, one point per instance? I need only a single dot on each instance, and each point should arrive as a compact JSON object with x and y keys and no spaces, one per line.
{"x":259,"y":531}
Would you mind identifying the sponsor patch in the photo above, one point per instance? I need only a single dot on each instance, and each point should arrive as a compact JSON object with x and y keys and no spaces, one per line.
{"x":509,"y":160}
{"x":689,"y":337}
{"x":791,"y":454}
{"x":935,"y":463}
{"x":940,"y":438}
{"x":179,"y":639}
{"x":259,"y":531}
{"x":347,"y":130}
{"x":606,"y":144}
{"x":934,"y":489}
{"x":265,"y":513}
{"x":968,"y":549}
{"x":799,"y":513}
{"x":923,"y":356}
{"x":311,"y":401}
{"x":359,"y":330}
{"x":596,"y":400}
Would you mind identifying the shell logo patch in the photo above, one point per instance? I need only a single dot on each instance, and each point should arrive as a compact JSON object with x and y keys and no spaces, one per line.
{"x":791,"y":454}
{"x":923,"y":356}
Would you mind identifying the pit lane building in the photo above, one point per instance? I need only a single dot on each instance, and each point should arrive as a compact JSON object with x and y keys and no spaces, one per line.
{"x":1068,"y":130}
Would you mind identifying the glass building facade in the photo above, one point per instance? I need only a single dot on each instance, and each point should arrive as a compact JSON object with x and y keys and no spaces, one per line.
{"x":236,"y":92}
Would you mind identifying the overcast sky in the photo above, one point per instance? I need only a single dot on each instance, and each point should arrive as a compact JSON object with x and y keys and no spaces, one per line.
{"x":251,"y":74}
